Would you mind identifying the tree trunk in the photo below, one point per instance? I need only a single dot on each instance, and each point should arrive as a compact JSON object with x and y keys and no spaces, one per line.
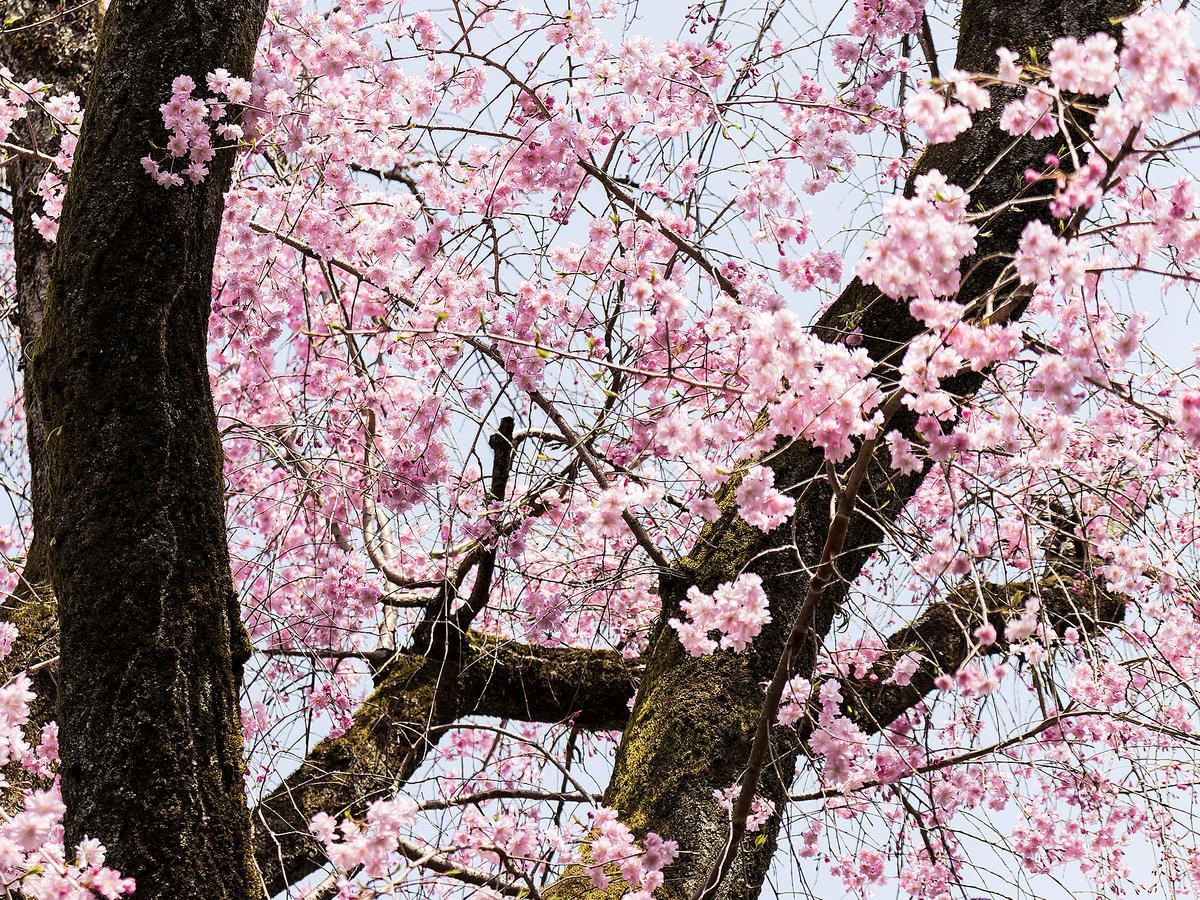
{"x":151,"y":640}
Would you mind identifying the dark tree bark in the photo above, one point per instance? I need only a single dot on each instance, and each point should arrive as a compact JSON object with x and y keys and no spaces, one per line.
{"x":151,"y":640}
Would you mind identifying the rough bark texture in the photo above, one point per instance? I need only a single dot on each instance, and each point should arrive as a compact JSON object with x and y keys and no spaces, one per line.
{"x":691,"y":728}
{"x":415,"y":701}
{"x":151,"y":641}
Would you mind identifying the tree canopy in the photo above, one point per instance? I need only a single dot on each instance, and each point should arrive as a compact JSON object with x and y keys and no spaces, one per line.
{"x":600,"y":449}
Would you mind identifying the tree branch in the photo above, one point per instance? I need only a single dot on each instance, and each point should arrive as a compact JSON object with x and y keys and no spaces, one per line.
{"x":942,"y":638}
{"x":415,"y":702}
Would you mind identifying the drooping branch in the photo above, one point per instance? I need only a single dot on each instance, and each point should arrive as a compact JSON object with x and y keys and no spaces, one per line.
{"x":695,"y":717}
{"x":942,"y":640}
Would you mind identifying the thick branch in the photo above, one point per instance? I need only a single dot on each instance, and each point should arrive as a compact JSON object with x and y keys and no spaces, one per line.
{"x":589,"y":688}
{"x":415,"y":702}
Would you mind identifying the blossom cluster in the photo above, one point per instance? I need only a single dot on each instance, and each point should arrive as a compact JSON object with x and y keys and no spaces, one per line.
{"x":737,"y":609}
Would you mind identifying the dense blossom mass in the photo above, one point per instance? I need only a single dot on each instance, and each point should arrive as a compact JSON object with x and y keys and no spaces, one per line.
{"x":443,"y":221}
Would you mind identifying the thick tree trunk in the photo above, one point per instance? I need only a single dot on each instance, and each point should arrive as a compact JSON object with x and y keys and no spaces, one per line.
{"x":691,"y":729}
{"x":151,"y":641}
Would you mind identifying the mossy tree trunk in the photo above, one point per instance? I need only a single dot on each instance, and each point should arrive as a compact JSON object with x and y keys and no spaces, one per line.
{"x":151,"y":641}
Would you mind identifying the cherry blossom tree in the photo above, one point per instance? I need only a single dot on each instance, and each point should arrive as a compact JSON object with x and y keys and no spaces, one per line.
{"x":597,"y":517}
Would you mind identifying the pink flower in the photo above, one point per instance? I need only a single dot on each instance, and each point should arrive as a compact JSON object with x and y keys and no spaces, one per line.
{"x":904,"y":460}
{"x":761,"y":809}
{"x":111,"y":885}
{"x":986,"y":634}
{"x":1089,"y":67}
{"x":927,"y":237}
{"x":1187,"y":416}
{"x":737,"y":609}
{"x":904,"y":668}
{"x":939,"y":121}
{"x":760,"y":503}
